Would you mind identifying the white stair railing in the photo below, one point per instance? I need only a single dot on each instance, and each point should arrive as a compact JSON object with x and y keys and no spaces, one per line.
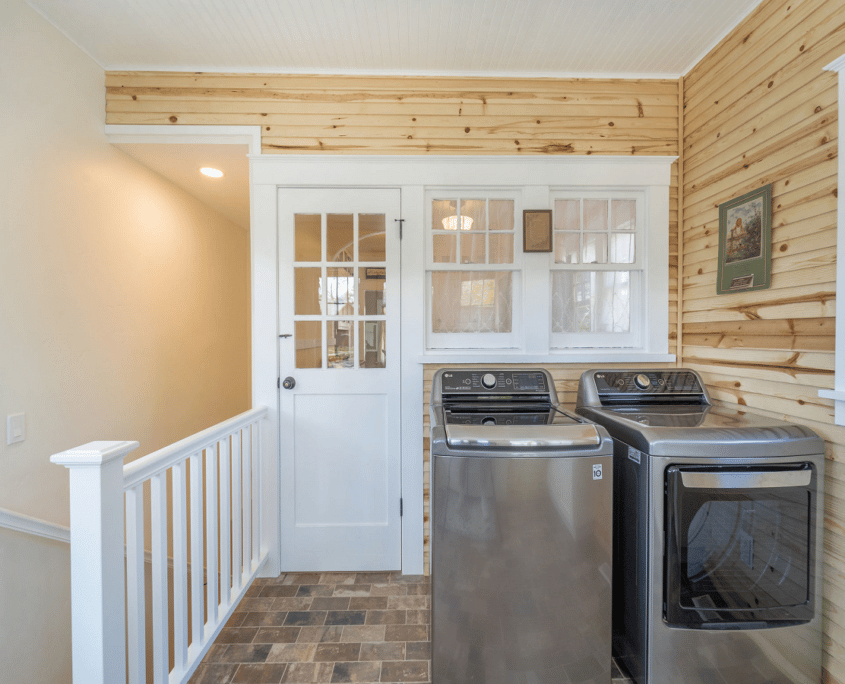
{"x":202,"y":498}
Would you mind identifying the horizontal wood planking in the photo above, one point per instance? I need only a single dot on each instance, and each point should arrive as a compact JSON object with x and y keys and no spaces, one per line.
{"x":411,"y":115}
{"x":758,"y":110}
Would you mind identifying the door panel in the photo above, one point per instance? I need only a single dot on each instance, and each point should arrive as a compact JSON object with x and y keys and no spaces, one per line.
{"x":340,"y":423}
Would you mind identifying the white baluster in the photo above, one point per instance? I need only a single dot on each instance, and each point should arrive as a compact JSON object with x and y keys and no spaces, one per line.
{"x":180,"y":568}
{"x":246,"y":482}
{"x":211,"y":527}
{"x":237,"y":549}
{"x":98,"y":599}
{"x":197,"y":579}
{"x":135,"y":590}
{"x":158,"y":528}
{"x":255,"y":441}
{"x":225,"y":521}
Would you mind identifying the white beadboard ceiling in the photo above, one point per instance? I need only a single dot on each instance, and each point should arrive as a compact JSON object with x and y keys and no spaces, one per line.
{"x":635,"y":38}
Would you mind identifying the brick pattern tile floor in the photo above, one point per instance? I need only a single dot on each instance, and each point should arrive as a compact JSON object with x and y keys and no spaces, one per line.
{"x":325,"y":627}
{"x":328,"y":627}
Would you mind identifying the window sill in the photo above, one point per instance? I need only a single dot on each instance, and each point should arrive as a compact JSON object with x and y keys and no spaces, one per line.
{"x":595,"y":358}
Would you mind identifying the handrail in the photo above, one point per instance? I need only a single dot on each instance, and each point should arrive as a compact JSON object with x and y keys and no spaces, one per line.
{"x":204,"y":492}
{"x":159,"y":461}
{"x":34,"y":526}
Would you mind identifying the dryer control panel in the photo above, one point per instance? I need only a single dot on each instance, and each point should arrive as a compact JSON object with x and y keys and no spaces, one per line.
{"x":667,"y":386}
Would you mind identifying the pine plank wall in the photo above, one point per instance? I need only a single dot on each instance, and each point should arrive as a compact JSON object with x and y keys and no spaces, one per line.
{"x":757,"y":109}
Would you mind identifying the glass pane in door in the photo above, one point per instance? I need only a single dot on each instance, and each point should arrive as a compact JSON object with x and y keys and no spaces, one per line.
{"x":309,"y":344}
{"x":371,"y":281}
{"x":308,"y":292}
{"x":340,"y":344}
{"x":371,"y":244}
{"x":340,"y":237}
{"x":371,"y":344}
{"x":306,"y":237}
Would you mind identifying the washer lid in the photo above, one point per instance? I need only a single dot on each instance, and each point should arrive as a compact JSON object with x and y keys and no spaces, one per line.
{"x":528,"y":437}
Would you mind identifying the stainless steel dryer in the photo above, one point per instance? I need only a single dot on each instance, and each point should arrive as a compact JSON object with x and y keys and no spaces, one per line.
{"x":521,"y":533}
{"x":718,"y":534}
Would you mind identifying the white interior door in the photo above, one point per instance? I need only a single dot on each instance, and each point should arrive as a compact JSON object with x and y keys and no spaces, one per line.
{"x":340,"y":423}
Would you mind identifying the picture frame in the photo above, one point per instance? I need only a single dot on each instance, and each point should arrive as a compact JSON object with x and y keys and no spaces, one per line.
{"x":375,"y":273}
{"x":745,"y":242}
{"x":537,"y":230}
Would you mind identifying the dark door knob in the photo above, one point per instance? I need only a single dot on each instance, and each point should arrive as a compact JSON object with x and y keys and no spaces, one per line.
{"x":288,"y":383}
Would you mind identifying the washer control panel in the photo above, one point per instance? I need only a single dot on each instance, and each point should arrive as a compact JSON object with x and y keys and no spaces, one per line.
{"x":647,"y":382}
{"x":471,"y":381}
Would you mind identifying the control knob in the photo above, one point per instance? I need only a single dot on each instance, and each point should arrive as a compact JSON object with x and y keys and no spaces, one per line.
{"x":488,"y":380}
{"x":642,"y":381}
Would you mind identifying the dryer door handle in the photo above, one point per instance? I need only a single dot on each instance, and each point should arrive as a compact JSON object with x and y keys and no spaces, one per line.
{"x":743,"y":479}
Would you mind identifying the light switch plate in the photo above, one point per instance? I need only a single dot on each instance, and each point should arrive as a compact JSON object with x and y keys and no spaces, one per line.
{"x":15,"y":428}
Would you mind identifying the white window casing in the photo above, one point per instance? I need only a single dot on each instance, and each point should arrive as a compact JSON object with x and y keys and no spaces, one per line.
{"x":838,"y":392}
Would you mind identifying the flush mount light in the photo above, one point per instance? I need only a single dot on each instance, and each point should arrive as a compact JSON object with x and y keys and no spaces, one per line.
{"x":451,"y":223}
{"x":213,"y":173}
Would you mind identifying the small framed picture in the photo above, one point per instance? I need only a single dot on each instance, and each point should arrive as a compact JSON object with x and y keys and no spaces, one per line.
{"x":375,"y":273}
{"x":537,"y":230}
{"x":745,"y":242}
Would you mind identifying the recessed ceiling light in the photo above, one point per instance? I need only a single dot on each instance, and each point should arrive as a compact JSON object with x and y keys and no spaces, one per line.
{"x":208,"y":171}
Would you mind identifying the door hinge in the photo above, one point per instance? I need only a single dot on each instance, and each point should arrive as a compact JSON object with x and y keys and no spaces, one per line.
{"x":278,"y":383}
{"x":401,"y":223}
{"x":401,"y":508}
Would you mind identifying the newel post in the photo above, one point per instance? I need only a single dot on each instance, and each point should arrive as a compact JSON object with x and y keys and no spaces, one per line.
{"x":97,"y":560}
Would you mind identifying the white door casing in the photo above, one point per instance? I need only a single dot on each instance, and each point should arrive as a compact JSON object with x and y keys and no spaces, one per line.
{"x":340,"y":451}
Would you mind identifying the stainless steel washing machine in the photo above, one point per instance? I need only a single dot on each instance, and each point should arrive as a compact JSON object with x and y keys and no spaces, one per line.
{"x":717,"y":535}
{"x":521,"y":533}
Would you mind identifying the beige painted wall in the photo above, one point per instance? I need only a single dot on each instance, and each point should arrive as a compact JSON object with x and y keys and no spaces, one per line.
{"x":34,"y":609}
{"x":124,"y":313}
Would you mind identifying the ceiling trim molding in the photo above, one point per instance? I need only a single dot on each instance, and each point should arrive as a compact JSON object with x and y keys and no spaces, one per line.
{"x":192,"y":135}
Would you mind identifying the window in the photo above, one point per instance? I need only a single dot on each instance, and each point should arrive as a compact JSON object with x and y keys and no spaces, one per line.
{"x":473,"y":270}
{"x":590,"y":293}
{"x":596,"y":274}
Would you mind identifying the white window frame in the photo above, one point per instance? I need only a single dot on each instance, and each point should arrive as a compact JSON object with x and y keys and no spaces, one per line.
{"x":560,"y":342}
{"x":474,"y":341}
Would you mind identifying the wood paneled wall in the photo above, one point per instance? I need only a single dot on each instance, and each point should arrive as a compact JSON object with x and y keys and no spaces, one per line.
{"x":410,"y":115}
{"x":759,"y":109}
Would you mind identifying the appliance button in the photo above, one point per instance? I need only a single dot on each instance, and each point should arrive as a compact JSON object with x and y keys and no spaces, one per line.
{"x":488,"y":380}
{"x":489,"y":420}
{"x":642,"y":381}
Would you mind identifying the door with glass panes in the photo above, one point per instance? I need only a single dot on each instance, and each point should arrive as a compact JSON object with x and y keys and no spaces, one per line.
{"x":339,"y":368}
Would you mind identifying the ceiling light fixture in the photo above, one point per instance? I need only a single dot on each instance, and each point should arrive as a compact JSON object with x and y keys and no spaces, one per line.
{"x":451,"y":223}
{"x":213,"y":173}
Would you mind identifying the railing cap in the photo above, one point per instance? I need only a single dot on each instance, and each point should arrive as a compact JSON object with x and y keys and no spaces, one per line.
{"x":93,"y":453}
